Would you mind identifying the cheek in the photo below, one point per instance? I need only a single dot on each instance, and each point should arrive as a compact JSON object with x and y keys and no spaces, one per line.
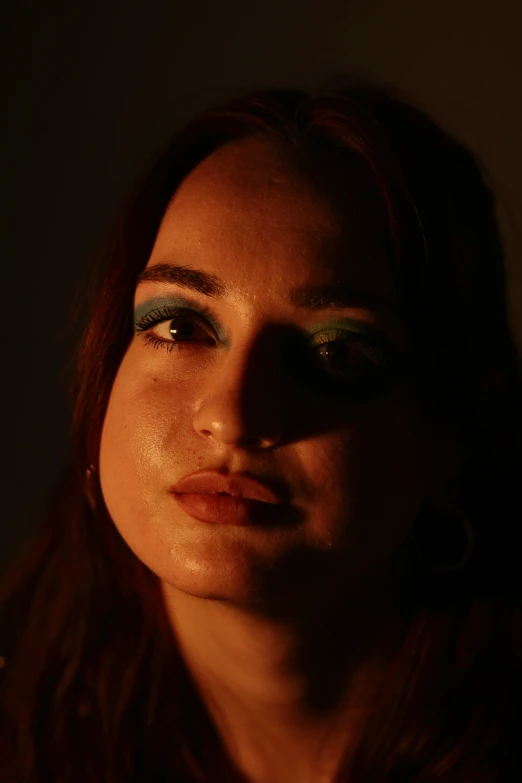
{"x":136,"y":455}
{"x":374,"y":478}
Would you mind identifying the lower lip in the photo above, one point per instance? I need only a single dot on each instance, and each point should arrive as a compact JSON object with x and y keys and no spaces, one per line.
{"x":223,"y":509}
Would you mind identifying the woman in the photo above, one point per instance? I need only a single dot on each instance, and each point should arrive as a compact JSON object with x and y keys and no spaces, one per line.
{"x":285,"y":548}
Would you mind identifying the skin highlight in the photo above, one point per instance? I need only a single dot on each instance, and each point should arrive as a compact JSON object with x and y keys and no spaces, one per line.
{"x":287,"y":630}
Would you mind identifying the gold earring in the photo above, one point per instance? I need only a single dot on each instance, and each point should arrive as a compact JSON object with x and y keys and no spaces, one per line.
{"x":89,"y":486}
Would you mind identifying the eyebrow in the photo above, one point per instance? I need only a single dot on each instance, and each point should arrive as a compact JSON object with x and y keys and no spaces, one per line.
{"x":338,"y":296}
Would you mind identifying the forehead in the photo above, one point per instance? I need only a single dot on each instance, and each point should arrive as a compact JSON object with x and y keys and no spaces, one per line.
{"x":262,"y":215}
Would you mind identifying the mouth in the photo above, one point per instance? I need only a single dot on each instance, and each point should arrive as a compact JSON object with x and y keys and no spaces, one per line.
{"x":237,"y":485}
{"x":222,"y":508}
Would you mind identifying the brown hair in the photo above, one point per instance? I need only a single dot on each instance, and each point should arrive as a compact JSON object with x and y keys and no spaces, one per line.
{"x":94,"y":687}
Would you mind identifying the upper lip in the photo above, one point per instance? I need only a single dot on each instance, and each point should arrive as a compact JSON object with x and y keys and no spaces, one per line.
{"x":241,"y":485}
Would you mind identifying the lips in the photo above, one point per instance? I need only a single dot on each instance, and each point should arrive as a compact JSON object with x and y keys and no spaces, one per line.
{"x":236,"y":485}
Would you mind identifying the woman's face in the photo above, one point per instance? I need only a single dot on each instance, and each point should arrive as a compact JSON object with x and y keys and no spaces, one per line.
{"x":252,"y":388}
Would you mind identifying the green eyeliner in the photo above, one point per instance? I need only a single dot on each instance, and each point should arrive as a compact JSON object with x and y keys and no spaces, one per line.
{"x":165,"y":303}
{"x":347,"y":324}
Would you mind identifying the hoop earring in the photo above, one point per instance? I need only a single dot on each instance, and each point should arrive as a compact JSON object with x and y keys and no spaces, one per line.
{"x":89,"y":486}
{"x":444,"y":540}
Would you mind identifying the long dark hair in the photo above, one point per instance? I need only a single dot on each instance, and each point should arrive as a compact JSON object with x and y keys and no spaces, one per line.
{"x":94,"y":687}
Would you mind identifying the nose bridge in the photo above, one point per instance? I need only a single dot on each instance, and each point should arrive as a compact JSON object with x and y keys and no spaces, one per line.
{"x":246,"y":399}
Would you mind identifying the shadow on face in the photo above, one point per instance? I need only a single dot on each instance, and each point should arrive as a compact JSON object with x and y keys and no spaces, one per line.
{"x":268,"y":340}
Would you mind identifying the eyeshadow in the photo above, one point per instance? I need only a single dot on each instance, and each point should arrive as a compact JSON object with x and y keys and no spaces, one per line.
{"x":173,"y":302}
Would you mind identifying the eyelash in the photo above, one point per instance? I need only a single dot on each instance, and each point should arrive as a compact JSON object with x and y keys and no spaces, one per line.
{"x":375,"y":349}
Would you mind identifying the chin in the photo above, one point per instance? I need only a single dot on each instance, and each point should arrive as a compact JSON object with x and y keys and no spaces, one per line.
{"x":213,"y":564}
{"x":202,"y":578}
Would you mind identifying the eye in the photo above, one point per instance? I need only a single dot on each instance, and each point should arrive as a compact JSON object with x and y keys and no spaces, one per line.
{"x":344,"y":354}
{"x":353,"y":366}
{"x":171,"y":328}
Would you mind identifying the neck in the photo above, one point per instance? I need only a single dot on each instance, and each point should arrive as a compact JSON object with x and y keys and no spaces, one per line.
{"x":283,"y":691}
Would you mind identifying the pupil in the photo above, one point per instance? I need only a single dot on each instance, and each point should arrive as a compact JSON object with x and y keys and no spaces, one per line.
{"x":340,"y":353}
{"x":176,"y":331}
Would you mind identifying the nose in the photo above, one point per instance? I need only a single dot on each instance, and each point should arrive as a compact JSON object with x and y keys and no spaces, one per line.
{"x":244,"y":403}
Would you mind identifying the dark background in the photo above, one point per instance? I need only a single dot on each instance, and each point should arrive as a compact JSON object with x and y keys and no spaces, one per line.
{"x":95,"y":87}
